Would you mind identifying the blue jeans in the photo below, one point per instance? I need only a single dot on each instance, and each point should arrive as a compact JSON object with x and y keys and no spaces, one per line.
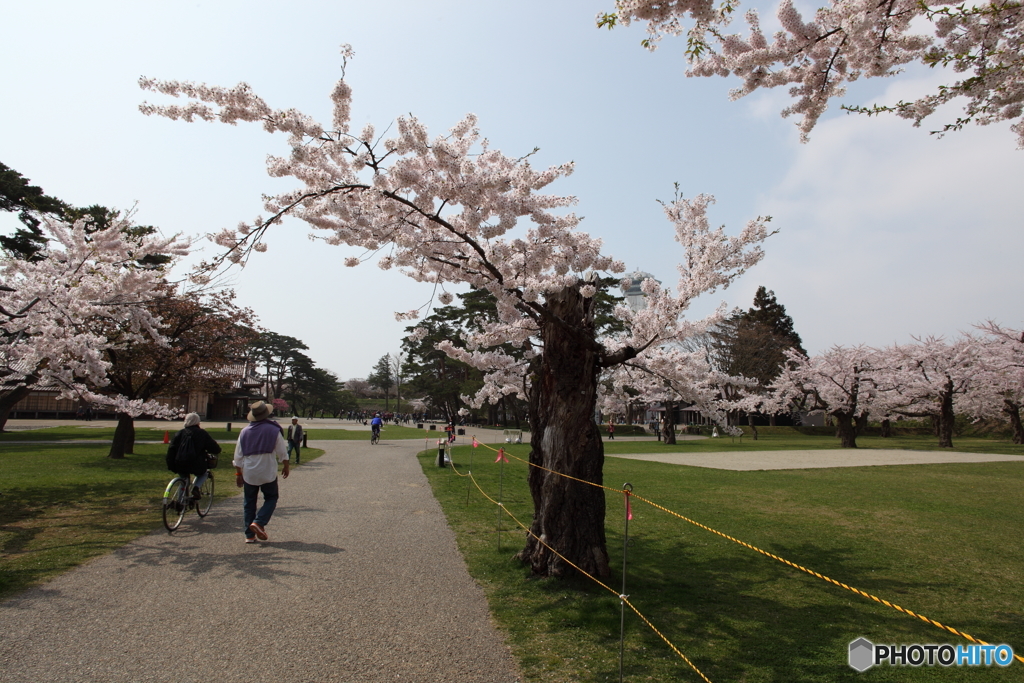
{"x":201,"y":479}
{"x":270,"y":495}
{"x":297,"y":446}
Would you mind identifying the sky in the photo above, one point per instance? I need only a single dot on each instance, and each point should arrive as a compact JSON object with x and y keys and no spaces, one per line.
{"x":884,"y":231}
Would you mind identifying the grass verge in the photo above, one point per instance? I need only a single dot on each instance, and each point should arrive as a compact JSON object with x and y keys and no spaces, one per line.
{"x":941,"y":540}
{"x":220,"y":433}
{"x":64,"y":504}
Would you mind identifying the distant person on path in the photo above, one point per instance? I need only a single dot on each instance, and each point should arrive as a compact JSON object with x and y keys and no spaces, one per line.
{"x":375,"y":424}
{"x":295,"y":439}
{"x":188,"y":451}
{"x":260,"y":447}
{"x":611,"y":430}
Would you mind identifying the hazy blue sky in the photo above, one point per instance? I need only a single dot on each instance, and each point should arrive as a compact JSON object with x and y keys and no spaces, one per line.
{"x":885,"y":231}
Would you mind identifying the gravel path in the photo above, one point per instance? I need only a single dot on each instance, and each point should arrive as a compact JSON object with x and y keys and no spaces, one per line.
{"x":360,"y":581}
{"x":794,"y":460}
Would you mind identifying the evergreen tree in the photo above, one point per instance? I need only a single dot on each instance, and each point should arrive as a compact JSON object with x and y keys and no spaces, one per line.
{"x":382,"y":378}
{"x":753,"y":343}
{"x":770,"y":314}
{"x":17,"y":194}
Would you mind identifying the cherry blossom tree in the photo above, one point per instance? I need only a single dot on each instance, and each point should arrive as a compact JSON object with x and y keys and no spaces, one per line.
{"x":54,"y":309}
{"x":450,"y":210}
{"x":839,"y":382}
{"x":202,"y":335}
{"x":981,"y":45}
{"x":928,"y":378}
{"x":998,"y":391}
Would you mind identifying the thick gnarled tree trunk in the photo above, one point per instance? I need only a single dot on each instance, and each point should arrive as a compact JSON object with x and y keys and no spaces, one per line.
{"x":845,"y":429}
{"x":568,"y":515}
{"x":124,"y":437}
{"x":668,"y":436}
{"x":1012,"y":411}
{"x":11,"y":399}
{"x":945,"y":418}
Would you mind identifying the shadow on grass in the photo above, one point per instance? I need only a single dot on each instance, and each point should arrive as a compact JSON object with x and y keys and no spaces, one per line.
{"x":741,"y":616}
{"x":737,"y":622}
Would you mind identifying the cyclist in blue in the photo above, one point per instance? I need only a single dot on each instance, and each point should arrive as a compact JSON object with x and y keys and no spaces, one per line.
{"x":375,"y":425}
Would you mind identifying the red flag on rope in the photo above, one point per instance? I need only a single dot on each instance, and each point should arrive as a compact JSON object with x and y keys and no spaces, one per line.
{"x":629,"y":508}
{"x":475,"y":444}
{"x":501,"y":456}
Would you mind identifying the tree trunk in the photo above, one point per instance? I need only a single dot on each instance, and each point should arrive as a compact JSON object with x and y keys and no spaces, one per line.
{"x":124,"y":437}
{"x":668,"y":437}
{"x":11,"y":398}
{"x":750,"y":423}
{"x":845,"y":430}
{"x":568,"y":515}
{"x":861,"y":423}
{"x":771,"y":420}
{"x":944,"y":420}
{"x":1012,"y":411}
{"x":886,"y":429}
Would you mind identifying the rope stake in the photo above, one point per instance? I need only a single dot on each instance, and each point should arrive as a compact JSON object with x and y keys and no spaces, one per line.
{"x":627,"y":493}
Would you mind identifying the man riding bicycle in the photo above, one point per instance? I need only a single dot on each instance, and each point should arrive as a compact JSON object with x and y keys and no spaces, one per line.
{"x":189,"y":450}
{"x":375,"y":425}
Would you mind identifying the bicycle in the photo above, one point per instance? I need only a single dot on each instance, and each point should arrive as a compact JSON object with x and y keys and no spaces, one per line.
{"x":375,"y":436}
{"x":178,"y":500}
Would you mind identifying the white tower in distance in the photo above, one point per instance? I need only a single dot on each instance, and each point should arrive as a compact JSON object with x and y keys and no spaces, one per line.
{"x":635,"y":298}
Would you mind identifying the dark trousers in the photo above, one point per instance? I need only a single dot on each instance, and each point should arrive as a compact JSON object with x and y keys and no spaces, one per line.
{"x":270,"y":495}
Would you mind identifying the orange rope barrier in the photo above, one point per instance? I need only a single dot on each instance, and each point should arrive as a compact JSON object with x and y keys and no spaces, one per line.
{"x":834,"y":582}
{"x":623,"y":598}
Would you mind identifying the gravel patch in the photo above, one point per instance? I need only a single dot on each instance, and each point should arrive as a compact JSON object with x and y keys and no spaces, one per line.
{"x":798,"y":460}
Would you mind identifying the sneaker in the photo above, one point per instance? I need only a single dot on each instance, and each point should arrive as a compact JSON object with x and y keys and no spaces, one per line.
{"x":260,"y":532}
{"x":249,"y":539}
{"x":196,"y":493}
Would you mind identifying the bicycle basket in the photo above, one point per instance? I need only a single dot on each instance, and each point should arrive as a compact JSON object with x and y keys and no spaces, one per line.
{"x":212,"y":460}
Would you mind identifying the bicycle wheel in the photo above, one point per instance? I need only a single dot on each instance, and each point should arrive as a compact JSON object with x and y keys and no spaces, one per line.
{"x":206,"y":502}
{"x":374,"y":438}
{"x":175,"y":504}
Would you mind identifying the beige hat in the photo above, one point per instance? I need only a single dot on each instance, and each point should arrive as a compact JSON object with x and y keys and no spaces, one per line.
{"x":260,"y":410}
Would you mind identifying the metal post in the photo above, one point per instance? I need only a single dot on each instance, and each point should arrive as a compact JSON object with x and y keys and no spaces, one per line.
{"x":501,"y":482}
{"x":469,"y":474}
{"x":627,"y":489}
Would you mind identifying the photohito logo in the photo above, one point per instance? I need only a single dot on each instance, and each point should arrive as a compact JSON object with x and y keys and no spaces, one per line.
{"x":864,"y":654}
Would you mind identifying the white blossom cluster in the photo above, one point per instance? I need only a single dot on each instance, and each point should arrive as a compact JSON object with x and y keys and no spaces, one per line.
{"x":450,"y":209}
{"x":55,"y":309}
{"x":981,"y":376}
{"x":982,"y":44}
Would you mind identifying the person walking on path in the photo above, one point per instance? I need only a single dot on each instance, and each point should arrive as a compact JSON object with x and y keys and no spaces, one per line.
{"x":189,"y":450}
{"x":611,"y":430}
{"x":260,"y":447}
{"x":295,"y":439}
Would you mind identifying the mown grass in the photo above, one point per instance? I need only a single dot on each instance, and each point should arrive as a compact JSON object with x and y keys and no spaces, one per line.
{"x":220,"y":433}
{"x":942,"y":540}
{"x":64,"y":504}
{"x":788,"y":438}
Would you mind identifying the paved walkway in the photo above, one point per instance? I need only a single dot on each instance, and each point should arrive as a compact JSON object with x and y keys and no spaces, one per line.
{"x":361,"y":581}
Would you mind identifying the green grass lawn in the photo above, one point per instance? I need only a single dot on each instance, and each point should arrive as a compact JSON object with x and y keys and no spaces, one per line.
{"x":941,"y":540}
{"x":786,"y":438}
{"x":220,"y":433}
{"x":64,"y":504}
